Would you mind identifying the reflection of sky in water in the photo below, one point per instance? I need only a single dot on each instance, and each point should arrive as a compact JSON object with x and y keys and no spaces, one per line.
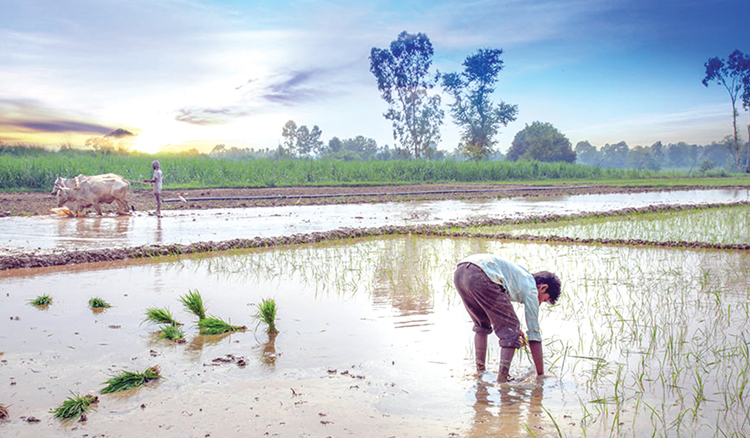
{"x":385,"y":309}
{"x":225,"y":224}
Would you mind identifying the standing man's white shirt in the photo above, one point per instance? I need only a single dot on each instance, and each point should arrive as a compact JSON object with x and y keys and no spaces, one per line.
{"x":158,"y":179}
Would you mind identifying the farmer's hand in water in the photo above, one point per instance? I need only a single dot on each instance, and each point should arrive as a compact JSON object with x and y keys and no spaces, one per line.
{"x":522,"y":338}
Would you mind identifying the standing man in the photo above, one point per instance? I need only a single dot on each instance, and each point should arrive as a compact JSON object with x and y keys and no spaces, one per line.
{"x":487,"y":285}
{"x":157,"y":182}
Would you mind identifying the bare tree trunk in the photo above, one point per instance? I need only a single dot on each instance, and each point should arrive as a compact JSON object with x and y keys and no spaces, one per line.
{"x":736,"y":139}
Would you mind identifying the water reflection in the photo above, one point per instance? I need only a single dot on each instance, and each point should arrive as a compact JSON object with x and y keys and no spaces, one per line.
{"x":509,"y":410}
{"x":159,"y":234}
{"x":224,"y":224}
{"x":268,"y":357}
{"x":199,"y":342}
{"x":86,"y":232}
{"x":400,"y":280}
{"x":639,"y":325}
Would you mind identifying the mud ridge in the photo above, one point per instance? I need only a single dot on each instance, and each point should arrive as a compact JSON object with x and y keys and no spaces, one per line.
{"x":450,"y":229}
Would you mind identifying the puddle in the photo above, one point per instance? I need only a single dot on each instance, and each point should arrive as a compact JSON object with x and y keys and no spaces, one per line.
{"x":184,"y":227}
{"x":374,"y":341}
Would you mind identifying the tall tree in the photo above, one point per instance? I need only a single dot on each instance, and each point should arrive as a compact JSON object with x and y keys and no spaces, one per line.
{"x":472,"y":108}
{"x":308,"y":140}
{"x":542,"y":142}
{"x":741,"y":63}
{"x":728,"y":75}
{"x":404,"y":81}
{"x":289,"y":132}
{"x":301,"y":140}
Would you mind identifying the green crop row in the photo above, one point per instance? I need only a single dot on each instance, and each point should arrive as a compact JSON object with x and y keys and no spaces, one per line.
{"x":35,"y":169}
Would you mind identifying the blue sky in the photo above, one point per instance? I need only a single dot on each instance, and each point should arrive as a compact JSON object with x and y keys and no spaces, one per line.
{"x":192,"y":73}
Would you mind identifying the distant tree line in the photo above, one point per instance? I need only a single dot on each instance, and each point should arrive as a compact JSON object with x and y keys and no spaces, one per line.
{"x":691,"y":157}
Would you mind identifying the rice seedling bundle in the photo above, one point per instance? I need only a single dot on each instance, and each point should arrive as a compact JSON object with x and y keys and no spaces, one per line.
{"x":214,"y":326}
{"x":267,"y":314}
{"x":98,"y":303}
{"x":160,"y":316}
{"x":172,"y":333}
{"x":129,"y":380}
{"x":41,"y":300}
{"x":193,"y":303}
{"x":74,"y":406}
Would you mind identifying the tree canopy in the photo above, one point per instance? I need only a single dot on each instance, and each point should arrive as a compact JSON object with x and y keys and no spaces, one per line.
{"x":472,"y":108}
{"x":730,"y":75}
{"x":404,"y":81}
{"x":542,"y":142}
{"x":351,"y":149}
{"x":301,"y":141}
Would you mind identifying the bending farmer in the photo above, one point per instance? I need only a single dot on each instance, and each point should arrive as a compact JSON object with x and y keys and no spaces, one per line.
{"x":487,"y":285}
{"x":157,"y":182}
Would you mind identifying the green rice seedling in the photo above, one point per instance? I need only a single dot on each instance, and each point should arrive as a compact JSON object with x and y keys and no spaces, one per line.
{"x":267,"y":313}
{"x":98,"y":303}
{"x":557,"y":427}
{"x":160,"y":316}
{"x":214,"y":326}
{"x":172,"y":333}
{"x":193,"y":302}
{"x":74,"y":406}
{"x":41,"y":301}
{"x":129,"y":380}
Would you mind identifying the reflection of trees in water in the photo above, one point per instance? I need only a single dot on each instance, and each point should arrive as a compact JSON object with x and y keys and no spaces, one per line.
{"x":404,"y":272}
{"x":401,"y":277}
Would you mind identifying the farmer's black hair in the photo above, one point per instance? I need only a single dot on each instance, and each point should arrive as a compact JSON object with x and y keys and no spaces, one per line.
{"x":552,"y":282}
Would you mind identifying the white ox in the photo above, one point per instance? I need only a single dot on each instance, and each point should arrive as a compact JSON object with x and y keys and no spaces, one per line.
{"x":93,"y":190}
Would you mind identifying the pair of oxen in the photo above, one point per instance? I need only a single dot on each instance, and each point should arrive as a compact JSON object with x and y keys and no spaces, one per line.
{"x":91,"y":191}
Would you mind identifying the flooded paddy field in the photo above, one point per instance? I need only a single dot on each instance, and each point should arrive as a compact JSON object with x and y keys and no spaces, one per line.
{"x":725,"y":224}
{"x":47,"y":233}
{"x":375,"y":342}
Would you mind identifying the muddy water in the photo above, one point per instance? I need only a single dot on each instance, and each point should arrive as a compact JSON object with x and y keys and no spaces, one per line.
{"x":55,"y":232}
{"x":374,"y":342}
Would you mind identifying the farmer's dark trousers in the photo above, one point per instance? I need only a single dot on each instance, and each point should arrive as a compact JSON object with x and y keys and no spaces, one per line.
{"x":488,"y":305}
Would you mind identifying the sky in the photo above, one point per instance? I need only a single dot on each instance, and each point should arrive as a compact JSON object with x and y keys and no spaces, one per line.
{"x":184,"y":74}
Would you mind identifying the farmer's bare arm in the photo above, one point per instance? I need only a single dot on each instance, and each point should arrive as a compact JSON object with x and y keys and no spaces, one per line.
{"x":536,"y":355}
